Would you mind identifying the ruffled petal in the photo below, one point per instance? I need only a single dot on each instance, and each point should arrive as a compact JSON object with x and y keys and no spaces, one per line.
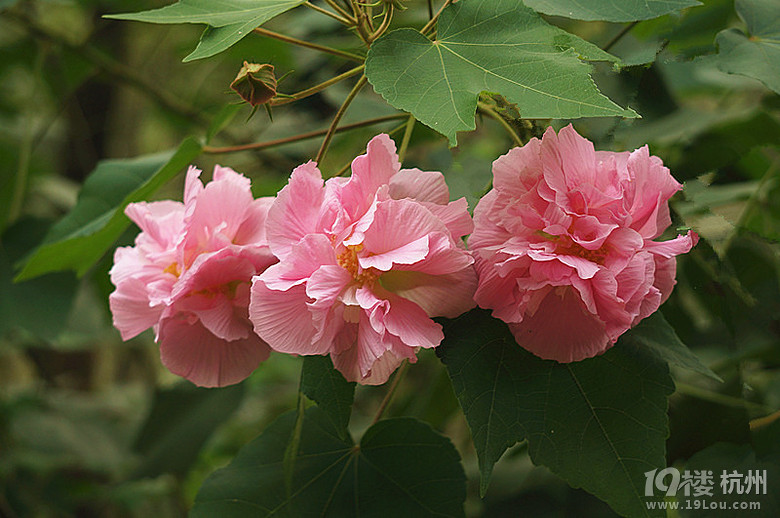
{"x":131,"y":310}
{"x":423,"y":186}
{"x":189,"y":350}
{"x":296,"y":211}
{"x":283,"y":319}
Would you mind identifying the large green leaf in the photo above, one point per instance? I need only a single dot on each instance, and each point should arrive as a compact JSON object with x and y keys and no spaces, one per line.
{"x":610,"y":10}
{"x":401,"y":468}
{"x":181,"y":421}
{"x":328,"y":388}
{"x":600,"y":423}
{"x":488,"y":45}
{"x":655,"y":333}
{"x":97,"y":220}
{"x":232,"y":19}
{"x":756,"y":56}
{"x":41,"y":306}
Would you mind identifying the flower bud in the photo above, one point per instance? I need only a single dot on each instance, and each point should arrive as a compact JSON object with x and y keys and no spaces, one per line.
{"x":255,"y":83}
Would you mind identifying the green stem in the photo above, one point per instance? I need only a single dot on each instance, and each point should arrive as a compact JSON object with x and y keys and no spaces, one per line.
{"x":715,"y":397}
{"x":335,"y":16}
{"x":291,"y":452}
{"x":337,"y":118}
{"x":428,"y":26}
{"x":384,"y":25}
{"x":302,"y":136}
{"x":336,"y":7}
{"x":315,"y":46}
{"x":407,"y":137}
{"x":318,"y":88}
{"x":484,"y":108}
{"x":619,"y":35}
{"x":391,"y":392}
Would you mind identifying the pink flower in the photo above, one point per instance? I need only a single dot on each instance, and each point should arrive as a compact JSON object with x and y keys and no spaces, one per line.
{"x":364,"y":263}
{"x":564,"y":244}
{"x":188,"y":276}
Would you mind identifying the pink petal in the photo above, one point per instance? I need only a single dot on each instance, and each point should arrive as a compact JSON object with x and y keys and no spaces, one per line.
{"x":518,"y":172}
{"x":369,"y":173}
{"x":132,"y":313}
{"x":454,"y":215}
{"x":217,"y":314}
{"x":192,"y":186}
{"x":189,"y":350}
{"x":408,"y":321}
{"x":562,"y":329}
{"x":252,"y":230}
{"x":162,"y":221}
{"x":408,"y":253}
{"x":296,"y":211}
{"x":568,"y":159}
{"x":312,"y":252}
{"x":327,"y":283}
{"x":283,"y":319}
{"x":679,"y":245}
{"x":448,"y":295}
{"x":424,"y":186}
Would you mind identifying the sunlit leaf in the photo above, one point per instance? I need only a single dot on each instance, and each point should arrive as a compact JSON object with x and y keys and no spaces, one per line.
{"x":488,"y":45}
{"x":401,"y":468}
{"x":600,"y":423}
{"x":97,"y":220}
{"x":610,"y":10}
{"x":230,"y":20}
{"x":757,"y":55}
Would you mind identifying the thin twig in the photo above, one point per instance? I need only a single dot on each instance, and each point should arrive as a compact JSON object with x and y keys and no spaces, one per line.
{"x":384,"y":25}
{"x":391,"y":392}
{"x":337,"y":118}
{"x":430,"y":9}
{"x":307,"y":44}
{"x":335,"y":16}
{"x":317,"y":88}
{"x":428,"y":26}
{"x":336,"y":7}
{"x":302,"y":136}
{"x":407,"y":137}
{"x":619,"y":35}
{"x":484,"y":108}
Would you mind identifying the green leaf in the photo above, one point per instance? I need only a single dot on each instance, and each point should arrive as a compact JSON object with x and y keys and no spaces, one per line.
{"x":230,"y":20}
{"x":600,"y":423}
{"x":328,"y":388}
{"x":756,"y":56}
{"x":400,"y":465}
{"x":655,"y":334}
{"x":609,"y":10}
{"x":78,"y":240}
{"x":222,"y":119}
{"x":488,"y":45}
{"x":181,"y":421}
{"x":41,"y":306}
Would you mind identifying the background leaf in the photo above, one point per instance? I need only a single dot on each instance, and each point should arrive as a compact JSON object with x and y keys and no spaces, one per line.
{"x":497,"y":46}
{"x":97,"y":220}
{"x":181,"y":420}
{"x":609,"y":10}
{"x":756,"y":56}
{"x":599,"y":423}
{"x":400,"y":464}
{"x":233,"y":19}
{"x":655,"y":334}
{"x":327,"y":387}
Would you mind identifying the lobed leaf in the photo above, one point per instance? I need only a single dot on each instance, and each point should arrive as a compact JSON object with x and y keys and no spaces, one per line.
{"x":488,"y":45}
{"x":655,"y":334}
{"x":327,"y":387}
{"x":78,"y":240}
{"x":756,"y":56}
{"x":401,"y":467}
{"x":610,"y":10}
{"x":600,"y":423}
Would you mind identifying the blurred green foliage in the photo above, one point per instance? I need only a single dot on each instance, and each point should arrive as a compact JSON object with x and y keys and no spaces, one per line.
{"x":91,"y":426}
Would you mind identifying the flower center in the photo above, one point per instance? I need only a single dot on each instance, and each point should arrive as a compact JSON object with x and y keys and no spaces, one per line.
{"x":572,"y":248}
{"x":173,"y":269}
{"x":349,"y":261}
